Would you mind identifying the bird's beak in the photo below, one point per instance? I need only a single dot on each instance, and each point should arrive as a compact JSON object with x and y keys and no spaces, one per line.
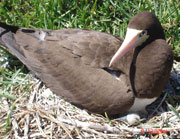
{"x":131,"y":40}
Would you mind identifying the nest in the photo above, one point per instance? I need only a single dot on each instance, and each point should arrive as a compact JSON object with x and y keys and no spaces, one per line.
{"x":38,"y":113}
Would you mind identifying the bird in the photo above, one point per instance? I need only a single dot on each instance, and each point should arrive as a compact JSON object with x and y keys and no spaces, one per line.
{"x":97,"y":71}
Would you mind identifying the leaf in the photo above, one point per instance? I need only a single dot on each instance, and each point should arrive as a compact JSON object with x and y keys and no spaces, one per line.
{"x":174,"y":110}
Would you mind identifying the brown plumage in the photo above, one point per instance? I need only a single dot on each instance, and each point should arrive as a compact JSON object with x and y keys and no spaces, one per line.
{"x":74,"y":63}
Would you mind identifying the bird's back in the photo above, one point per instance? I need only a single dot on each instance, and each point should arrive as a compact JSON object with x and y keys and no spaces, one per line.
{"x":71,"y":62}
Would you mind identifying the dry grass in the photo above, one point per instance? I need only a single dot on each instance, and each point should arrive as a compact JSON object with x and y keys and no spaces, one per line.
{"x":38,"y":113}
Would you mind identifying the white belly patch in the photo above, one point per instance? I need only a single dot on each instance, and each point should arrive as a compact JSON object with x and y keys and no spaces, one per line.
{"x":140,"y":104}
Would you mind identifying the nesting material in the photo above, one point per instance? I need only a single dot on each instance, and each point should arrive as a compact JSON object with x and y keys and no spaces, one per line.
{"x":39,"y":113}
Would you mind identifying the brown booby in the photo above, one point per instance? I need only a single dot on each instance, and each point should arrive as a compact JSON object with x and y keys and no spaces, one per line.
{"x":80,"y":65}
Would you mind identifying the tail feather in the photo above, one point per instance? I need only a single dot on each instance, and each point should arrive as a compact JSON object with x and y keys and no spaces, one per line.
{"x":4,"y":28}
{"x":8,"y":27}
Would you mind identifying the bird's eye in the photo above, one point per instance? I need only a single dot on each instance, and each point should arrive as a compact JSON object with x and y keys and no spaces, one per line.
{"x":144,"y":32}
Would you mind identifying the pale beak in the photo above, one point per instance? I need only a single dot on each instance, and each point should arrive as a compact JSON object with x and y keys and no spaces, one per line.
{"x":131,"y":41}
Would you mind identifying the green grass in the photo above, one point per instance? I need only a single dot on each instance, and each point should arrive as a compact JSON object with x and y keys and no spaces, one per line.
{"x":109,"y":16}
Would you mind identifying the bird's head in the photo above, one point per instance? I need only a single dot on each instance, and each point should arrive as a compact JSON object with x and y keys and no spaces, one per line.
{"x":143,"y":28}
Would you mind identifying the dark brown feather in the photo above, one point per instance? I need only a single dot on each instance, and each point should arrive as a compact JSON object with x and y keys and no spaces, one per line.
{"x":71,"y":63}
{"x":72,"y":66}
